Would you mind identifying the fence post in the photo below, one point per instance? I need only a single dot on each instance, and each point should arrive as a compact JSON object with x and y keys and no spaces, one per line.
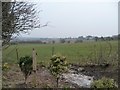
{"x":34,"y":67}
{"x":53,"y":50}
{"x":34,"y":60}
{"x":17,"y":54}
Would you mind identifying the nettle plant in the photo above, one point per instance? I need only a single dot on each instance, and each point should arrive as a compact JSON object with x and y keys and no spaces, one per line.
{"x":25,"y":64}
{"x":104,"y":83}
{"x":58,"y":65}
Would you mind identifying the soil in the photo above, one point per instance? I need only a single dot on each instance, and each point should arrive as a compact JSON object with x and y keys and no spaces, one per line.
{"x":98,"y":71}
{"x":13,"y":78}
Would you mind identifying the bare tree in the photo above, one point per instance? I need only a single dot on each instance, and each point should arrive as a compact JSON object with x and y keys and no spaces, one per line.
{"x":18,"y":17}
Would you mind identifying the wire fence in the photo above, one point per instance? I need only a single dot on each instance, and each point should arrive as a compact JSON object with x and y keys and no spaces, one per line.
{"x":98,"y":53}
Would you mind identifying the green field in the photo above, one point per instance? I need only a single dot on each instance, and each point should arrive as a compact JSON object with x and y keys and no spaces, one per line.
{"x":75,"y":52}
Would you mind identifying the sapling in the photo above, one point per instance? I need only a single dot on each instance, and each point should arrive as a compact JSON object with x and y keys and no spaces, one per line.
{"x":58,"y":65}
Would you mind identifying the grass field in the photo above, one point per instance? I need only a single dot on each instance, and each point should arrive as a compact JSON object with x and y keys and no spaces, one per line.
{"x":79,"y":53}
{"x":74,"y":52}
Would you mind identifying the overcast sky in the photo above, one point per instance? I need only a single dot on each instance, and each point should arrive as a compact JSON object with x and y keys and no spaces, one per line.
{"x":77,"y":18}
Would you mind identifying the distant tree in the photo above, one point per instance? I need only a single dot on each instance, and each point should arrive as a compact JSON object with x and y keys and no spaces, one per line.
{"x":112,"y":38}
{"x":40,"y":42}
{"x":44,"y":42}
{"x":96,"y":38}
{"x":68,"y":41}
{"x":81,"y":37}
{"x":78,"y":41}
{"x":62,"y":40}
{"x":18,"y":17}
{"x":89,"y":37}
{"x":108,"y":38}
{"x":53,"y":42}
{"x":69,"y":37}
{"x":102,"y":38}
{"x":115,"y":37}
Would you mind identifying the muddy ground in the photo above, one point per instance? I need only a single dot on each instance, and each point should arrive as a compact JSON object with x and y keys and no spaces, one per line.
{"x":13,"y":78}
{"x":98,"y":71}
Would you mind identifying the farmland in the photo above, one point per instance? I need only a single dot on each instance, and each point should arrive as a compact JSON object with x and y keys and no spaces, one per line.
{"x":79,"y":54}
{"x":74,"y":52}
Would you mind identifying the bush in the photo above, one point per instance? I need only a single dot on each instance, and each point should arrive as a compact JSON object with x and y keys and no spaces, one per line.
{"x":104,"y":83}
{"x":25,"y":64}
{"x":58,"y":66}
{"x":5,"y":66}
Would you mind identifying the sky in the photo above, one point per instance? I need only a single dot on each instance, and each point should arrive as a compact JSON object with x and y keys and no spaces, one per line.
{"x":76,"y":18}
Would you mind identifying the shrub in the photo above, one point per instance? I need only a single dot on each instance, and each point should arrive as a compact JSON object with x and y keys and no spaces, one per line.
{"x":25,"y":64}
{"x":104,"y":83}
{"x":5,"y":66}
{"x":58,"y":66}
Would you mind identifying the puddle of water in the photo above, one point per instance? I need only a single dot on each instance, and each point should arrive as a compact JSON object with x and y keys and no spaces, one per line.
{"x":79,"y":79}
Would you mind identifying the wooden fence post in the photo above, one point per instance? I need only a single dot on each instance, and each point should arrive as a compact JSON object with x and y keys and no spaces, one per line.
{"x":53,"y":50}
{"x":34,"y":60}
{"x":17,"y":54}
{"x":34,"y":67}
